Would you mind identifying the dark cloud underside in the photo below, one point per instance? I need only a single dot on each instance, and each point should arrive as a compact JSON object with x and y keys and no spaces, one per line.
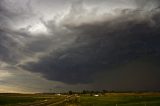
{"x":87,"y":43}
{"x":103,"y":46}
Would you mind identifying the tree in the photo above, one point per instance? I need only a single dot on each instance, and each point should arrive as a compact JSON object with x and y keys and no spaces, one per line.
{"x":84,"y":92}
{"x":70,"y":92}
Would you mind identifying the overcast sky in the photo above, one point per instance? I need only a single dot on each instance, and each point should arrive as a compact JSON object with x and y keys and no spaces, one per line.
{"x":61,"y":45}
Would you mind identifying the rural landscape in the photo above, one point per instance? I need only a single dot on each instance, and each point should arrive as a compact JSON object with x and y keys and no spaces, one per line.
{"x":79,"y":52}
{"x":81,"y":99}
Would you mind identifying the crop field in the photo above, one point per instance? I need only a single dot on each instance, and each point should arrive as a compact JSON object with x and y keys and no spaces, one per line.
{"x":108,"y":99}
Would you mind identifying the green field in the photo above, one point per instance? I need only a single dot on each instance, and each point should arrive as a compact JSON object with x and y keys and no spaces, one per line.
{"x":28,"y":99}
{"x":108,"y":99}
{"x":121,"y":99}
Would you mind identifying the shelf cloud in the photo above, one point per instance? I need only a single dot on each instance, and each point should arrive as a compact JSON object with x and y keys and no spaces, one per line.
{"x":85,"y":42}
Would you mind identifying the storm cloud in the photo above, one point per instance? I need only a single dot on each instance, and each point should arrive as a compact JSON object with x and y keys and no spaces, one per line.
{"x":100,"y":44}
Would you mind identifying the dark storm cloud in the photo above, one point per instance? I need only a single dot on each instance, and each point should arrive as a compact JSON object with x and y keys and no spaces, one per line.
{"x":4,"y":51}
{"x":85,"y":42}
{"x":10,"y":13}
{"x":147,"y":3}
{"x":15,"y":42}
{"x":102,"y":45}
{"x":139,"y":74}
{"x":7,"y":48}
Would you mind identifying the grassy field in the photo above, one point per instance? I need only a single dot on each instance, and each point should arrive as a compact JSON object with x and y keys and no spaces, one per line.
{"x":122,"y":99}
{"x":109,"y":99}
{"x":28,"y":99}
{"x":6,"y":99}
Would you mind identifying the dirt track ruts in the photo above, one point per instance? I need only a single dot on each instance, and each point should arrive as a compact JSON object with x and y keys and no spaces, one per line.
{"x":50,"y":102}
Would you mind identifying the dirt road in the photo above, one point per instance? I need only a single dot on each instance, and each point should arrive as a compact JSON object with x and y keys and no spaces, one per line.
{"x":66,"y":101}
